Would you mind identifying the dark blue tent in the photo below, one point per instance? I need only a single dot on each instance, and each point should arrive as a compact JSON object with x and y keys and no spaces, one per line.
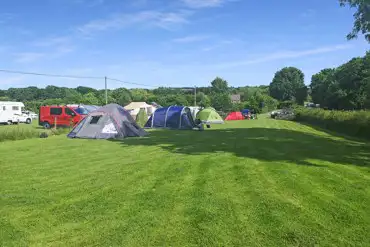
{"x":173,"y":117}
{"x":245,"y":111}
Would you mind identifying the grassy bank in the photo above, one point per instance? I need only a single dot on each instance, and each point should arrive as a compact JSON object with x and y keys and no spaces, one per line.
{"x":26,"y":131}
{"x":246,"y":183}
{"x":354,"y":123}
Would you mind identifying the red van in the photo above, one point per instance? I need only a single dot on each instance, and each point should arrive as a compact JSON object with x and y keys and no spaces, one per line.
{"x":62,"y":116}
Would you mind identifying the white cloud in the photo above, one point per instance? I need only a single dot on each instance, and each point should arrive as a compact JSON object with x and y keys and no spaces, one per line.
{"x":205,"y":3}
{"x":284,"y":55}
{"x":11,"y":81}
{"x":308,"y":13}
{"x":54,"y":41}
{"x":6,"y":17}
{"x":221,"y":44}
{"x":4,"y":48}
{"x":96,"y":3}
{"x":28,"y":57}
{"x":190,"y":39}
{"x":164,"y":20}
{"x":89,"y":3}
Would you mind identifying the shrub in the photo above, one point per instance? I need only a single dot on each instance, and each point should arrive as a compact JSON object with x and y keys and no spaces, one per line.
{"x":141,"y":118}
{"x":21,"y":132}
{"x":286,"y":104}
{"x":355,"y":123}
{"x":17,"y":133}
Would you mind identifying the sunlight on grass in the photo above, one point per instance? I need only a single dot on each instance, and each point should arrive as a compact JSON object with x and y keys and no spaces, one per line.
{"x":244,"y":183}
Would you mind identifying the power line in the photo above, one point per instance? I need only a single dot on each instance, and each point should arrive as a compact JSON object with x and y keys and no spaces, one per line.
{"x":80,"y":77}
{"x":133,"y":83}
{"x":51,"y":75}
{"x":72,"y":77}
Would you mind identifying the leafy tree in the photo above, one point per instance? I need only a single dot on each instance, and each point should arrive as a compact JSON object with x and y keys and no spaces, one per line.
{"x":73,"y":96}
{"x":221,"y":101}
{"x":203,"y":100}
{"x":286,"y":83}
{"x":121,"y":96}
{"x":301,"y":95}
{"x":346,"y":87}
{"x":140,"y":95}
{"x":4,"y":98}
{"x":85,"y":90}
{"x":219,"y":85}
{"x":252,"y":104}
{"x":90,"y":99}
{"x":350,"y":77}
{"x":190,"y":99}
{"x":361,"y":16}
{"x":261,"y":103}
{"x":320,"y":83}
{"x":237,"y":107}
{"x":174,"y":99}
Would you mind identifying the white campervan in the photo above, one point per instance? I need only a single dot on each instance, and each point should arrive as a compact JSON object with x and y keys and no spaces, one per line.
{"x":11,"y":112}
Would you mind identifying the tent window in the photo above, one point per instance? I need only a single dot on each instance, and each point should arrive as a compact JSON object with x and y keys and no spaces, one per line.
{"x":95,"y":119}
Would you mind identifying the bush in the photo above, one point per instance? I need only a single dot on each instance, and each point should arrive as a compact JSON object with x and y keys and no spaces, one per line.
{"x":22,"y":132}
{"x":141,"y":118}
{"x":354,"y":123}
{"x":286,"y":104}
{"x":17,"y":133}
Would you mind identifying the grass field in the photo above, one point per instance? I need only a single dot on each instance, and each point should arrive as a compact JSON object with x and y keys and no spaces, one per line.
{"x":26,"y":131}
{"x":245,"y":183}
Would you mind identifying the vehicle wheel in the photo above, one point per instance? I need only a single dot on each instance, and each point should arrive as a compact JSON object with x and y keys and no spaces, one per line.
{"x":10,"y":122}
{"x":46,"y":125}
{"x":28,"y":121}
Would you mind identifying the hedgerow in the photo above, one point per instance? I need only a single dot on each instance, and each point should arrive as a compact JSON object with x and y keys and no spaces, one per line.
{"x":354,"y":123}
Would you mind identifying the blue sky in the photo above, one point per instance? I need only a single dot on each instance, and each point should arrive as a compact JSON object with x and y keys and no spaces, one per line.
{"x":171,"y":42}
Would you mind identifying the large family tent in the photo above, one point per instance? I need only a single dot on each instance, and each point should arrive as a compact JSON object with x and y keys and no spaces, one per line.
{"x":108,"y":122}
{"x":209,"y":116}
{"x":237,"y":115}
{"x":194,"y":111}
{"x":173,"y":117}
{"x":134,"y":108}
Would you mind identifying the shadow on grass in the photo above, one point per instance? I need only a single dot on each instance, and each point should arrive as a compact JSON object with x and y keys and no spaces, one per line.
{"x":260,"y":143}
{"x":352,"y":137}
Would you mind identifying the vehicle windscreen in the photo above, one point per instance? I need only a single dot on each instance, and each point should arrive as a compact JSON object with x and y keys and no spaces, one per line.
{"x":81,"y":111}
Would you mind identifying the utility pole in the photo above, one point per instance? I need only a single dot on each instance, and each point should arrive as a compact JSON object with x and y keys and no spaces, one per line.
{"x":195,"y":95}
{"x":106,"y":91}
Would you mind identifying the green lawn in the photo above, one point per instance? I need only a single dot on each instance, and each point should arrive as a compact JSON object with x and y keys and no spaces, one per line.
{"x":246,"y":183}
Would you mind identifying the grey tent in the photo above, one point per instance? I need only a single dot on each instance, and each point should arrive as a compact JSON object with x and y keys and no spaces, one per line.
{"x":108,"y":122}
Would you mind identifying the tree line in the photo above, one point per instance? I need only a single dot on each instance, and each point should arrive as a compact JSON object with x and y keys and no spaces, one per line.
{"x":344,"y":88}
{"x":216,"y":95}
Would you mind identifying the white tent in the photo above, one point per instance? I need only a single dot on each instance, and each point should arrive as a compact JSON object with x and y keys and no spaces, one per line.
{"x":194,"y":110}
{"x":134,"y":108}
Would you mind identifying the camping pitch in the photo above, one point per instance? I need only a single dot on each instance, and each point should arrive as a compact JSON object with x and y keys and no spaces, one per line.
{"x":108,"y":122}
{"x":235,"y":116}
{"x":209,"y":116}
{"x":173,"y":117}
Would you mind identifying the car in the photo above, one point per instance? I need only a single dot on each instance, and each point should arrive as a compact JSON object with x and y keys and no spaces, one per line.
{"x":60,"y":116}
{"x":275,"y":113}
{"x":31,"y":114}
